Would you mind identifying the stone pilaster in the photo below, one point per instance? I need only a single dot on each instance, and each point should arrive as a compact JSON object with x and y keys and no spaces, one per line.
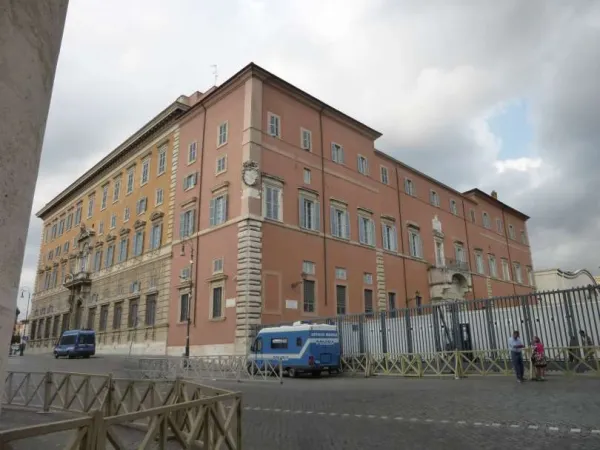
{"x":172,"y":188}
{"x":381,"y":288}
{"x":249,"y":281}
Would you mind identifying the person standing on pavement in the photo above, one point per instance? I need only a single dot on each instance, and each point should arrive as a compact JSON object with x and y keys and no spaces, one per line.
{"x":515,"y":345}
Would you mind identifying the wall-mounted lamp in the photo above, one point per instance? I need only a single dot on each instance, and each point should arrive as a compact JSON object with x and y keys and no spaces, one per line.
{"x":298,"y":283}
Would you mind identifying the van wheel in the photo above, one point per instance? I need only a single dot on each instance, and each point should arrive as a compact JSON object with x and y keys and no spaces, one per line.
{"x":56,"y":355}
{"x":292,"y":373}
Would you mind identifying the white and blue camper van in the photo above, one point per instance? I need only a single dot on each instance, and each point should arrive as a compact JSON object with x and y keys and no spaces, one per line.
{"x":302,"y":347}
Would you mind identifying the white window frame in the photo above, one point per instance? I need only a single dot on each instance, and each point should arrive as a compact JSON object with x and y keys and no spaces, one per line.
{"x":439,"y":252}
{"x":214,"y":286}
{"x":277,"y":187}
{"x":138,"y":241}
{"x":415,"y":243}
{"x":192,"y":154}
{"x":101,"y":227}
{"x":159,"y":196}
{"x":130,"y":180}
{"x":274,"y":125}
{"x":434,"y":198}
{"x":221,"y":165}
{"x":339,"y":228}
{"x":217,"y":265}
{"x":138,"y":206}
{"x":366,"y":230}
{"x":368,"y":278}
{"x":187,"y":223}
{"x":113,"y":221}
{"x":337,"y":153}
{"x":308,"y":267}
{"x":530,"y":276}
{"x":218,"y":217}
{"x":104,"y":202}
{"x":493,"y":266}
{"x":486,"y":220}
{"x":91,"y":201}
{"x":341,"y":273}
{"x":161,"y":161}
{"x":518,"y":273}
{"x":479,"y":266}
{"x":473,"y":216}
{"x":145,"y":173}
{"x":499,"y":226}
{"x":190,"y":181}
{"x":307,"y":176}
{"x":362,"y":164}
{"x":384,"y":175}
{"x":389,"y":236}
{"x":453,"y":207}
{"x":511,"y":232}
{"x":315,"y":222}
{"x":116,"y":190}
{"x":222,"y":134}
{"x":409,"y":187}
{"x":523,"y":238}
{"x":126,"y":214}
{"x":305,"y":139}
{"x":156,"y":236}
{"x":505,"y":270}
{"x":459,"y":252}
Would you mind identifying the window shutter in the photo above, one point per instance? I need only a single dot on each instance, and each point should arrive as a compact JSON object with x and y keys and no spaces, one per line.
{"x":386,"y":241}
{"x":301,"y":212}
{"x":212,"y":211}
{"x":334,"y":221}
{"x":317,"y":216}
{"x":347,"y":224}
{"x":361,"y":230}
{"x":394,"y":239}
{"x":372,"y":232}
{"x":182,"y":226}
{"x":225,"y":198}
{"x":192,"y":221}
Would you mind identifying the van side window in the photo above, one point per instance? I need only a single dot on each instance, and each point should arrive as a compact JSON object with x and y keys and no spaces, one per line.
{"x":279,"y":343}
{"x":298,"y":342}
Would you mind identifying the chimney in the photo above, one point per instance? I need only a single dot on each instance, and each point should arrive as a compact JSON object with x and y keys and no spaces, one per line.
{"x":495,"y":195}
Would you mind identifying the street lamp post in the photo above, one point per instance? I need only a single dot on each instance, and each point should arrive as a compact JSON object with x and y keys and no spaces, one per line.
{"x":190,"y":296}
{"x":23,"y":290}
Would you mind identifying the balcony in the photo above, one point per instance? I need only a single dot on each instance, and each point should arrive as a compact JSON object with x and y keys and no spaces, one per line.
{"x":449,"y":279}
{"x":77,"y":279}
{"x":459,"y":266}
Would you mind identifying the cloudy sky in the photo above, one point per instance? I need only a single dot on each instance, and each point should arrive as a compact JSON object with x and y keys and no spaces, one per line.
{"x":493,"y":94}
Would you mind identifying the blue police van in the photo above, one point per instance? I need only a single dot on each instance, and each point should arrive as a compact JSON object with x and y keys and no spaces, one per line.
{"x":76,"y":343}
{"x":302,"y":348}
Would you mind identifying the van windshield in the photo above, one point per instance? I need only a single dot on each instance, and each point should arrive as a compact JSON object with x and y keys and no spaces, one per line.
{"x":68,"y":340}
{"x":86,"y":339}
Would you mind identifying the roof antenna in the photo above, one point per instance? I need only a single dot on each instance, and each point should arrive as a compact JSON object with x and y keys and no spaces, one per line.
{"x":215,"y":73}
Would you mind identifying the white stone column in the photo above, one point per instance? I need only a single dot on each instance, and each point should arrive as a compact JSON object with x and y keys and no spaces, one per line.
{"x":30,"y":37}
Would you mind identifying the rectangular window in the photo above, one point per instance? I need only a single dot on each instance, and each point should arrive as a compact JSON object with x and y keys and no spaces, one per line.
{"x":459,"y":252}
{"x":486,"y":220}
{"x":366,"y":230}
{"x":492,"y":264}
{"x":110,"y":255}
{"x":117,"y":315}
{"x":54,"y":230}
{"x":104,"y":197}
{"x":78,"y":213}
{"x":116,"y":190}
{"x":218,"y":210}
{"x":132,"y":320}
{"x":367,"y":278}
{"x":218,"y":265}
{"x":385,"y":179}
{"x":434,"y":198}
{"x":90,"y":211}
{"x":279,"y":343}
{"x":368,"y":295}
{"x":308,"y":289}
{"x":363,"y":165}
{"x":414,"y":243}
{"x":130,"y":180}
{"x":518,"y":274}
{"x":392,"y":301}
{"x":126,"y":214}
{"x":340,"y":273}
{"x":530,"y":278}
{"x":101,"y":227}
{"x":305,"y":139}
{"x":511,"y":232}
{"x":103,"y":317}
{"x":66,"y":247}
{"x":272,"y":196}
{"x":223,"y":128}
{"x":156,"y":236}
{"x":151,"y":309}
{"x":307,"y":176}
{"x":523,"y":238}
{"x":505,"y":270}
{"x":472,"y":212}
{"x":453,"y":207}
{"x":113,"y":221}
{"x":190,"y":181}
{"x":479,"y":262}
{"x":97,"y":260}
{"x":159,"y":198}
{"x":141,"y":205}
{"x":409,"y":187}
{"x":308,"y":267}
{"x":337,"y":153}
{"x":61,"y":227}
{"x":274,"y":125}
{"x":145,"y":171}
{"x":340,"y":222}
{"x":192,"y":152}
{"x":123,"y":250}
{"x":390,"y":239}
{"x":184,"y":304}
{"x":69,"y":221}
{"x":187,"y":223}
{"x":162,"y":160}
{"x":91,"y":320}
{"x":138,"y":243}
{"x":309,"y":213}
{"x":340,"y":298}
{"x":499,"y":226}
{"x":221,"y":164}
{"x":217,"y":302}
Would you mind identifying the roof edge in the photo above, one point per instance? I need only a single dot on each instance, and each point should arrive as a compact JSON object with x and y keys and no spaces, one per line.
{"x":503,"y":205}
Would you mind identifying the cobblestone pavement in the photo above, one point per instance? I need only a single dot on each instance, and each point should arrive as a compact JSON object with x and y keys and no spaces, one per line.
{"x":399,"y":413}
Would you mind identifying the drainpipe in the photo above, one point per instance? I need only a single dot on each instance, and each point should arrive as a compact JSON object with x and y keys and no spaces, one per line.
{"x":323,"y":205}
{"x":400,"y":229}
